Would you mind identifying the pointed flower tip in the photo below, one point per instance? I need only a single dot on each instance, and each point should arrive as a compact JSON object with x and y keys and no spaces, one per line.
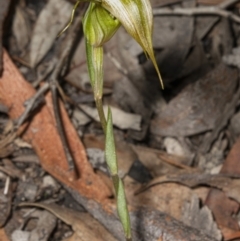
{"x":137,"y":18}
{"x":157,"y":69}
{"x":160,"y":78}
{"x":161,"y":82}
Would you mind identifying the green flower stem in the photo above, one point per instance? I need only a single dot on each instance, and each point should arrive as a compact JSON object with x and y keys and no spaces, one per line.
{"x":101,"y":115}
{"x":95,"y":67}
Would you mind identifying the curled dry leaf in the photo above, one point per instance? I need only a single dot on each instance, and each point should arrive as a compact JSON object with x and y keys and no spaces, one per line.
{"x":85,"y":227}
{"x":229,"y":184}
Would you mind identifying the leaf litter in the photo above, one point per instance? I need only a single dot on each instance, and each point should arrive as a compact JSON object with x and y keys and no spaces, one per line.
{"x":177,"y":148}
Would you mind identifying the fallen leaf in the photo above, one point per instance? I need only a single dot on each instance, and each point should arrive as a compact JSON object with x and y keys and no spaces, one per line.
{"x":224,"y":208}
{"x":45,"y":225}
{"x":85,"y":227}
{"x":3,"y":236}
{"x":50,"y":150}
{"x":121,"y":119}
{"x":200,"y":218}
{"x":227,"y":183}
{"x":199,"y":106}
{"x":21,"y":29}
{"x":50,"y":22}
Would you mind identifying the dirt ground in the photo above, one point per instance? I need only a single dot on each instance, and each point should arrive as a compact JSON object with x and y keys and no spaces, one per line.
{"x":178,"y":149}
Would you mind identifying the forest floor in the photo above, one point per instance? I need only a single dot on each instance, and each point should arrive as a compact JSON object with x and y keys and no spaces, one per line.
{"x":178,"y":149}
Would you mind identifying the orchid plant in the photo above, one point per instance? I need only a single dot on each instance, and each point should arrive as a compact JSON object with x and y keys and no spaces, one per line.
{"x":101,"y":20}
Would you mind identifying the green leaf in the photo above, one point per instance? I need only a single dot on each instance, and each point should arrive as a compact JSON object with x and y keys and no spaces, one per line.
{"x":122,"y":206}
{"x":110,"y":151}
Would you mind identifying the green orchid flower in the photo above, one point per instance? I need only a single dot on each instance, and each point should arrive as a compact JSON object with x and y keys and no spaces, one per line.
{"x":101,"y":21}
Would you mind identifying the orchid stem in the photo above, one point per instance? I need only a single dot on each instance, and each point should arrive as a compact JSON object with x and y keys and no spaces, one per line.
{"x":101,"y":114}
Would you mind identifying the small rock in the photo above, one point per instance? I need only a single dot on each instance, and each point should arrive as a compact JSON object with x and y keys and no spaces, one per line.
{"x":235,"y":124}
{"x":48,"y":181}
{"x":19,"y":235}
{"x":173,"y":147}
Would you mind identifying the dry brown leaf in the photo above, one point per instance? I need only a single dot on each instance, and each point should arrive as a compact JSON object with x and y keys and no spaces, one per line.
{"x":229,"y":184}
{"x":3,"y":236}
{"x":168,"y":198}
{"x":85,"y":227}
{"x":199,"y":106}
{"x":200,"y":218}
{"x":121,"y":119}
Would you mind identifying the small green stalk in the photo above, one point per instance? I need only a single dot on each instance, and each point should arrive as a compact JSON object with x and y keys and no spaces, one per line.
{"x":111,"y":159}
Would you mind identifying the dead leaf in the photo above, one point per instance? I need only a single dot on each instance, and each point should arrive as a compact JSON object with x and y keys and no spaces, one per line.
{"x":50,"y":22}
{"x":199,"y":106}
{"x":173,"y":43}
{"x":85,"y":227}
{"x":168,"y":198}
{"x":45,"y":225}
{"x":3,"y":236}
{"x":6,"y":140}
{"x":200,"y":218}
{"x":121,"y":119}
{"x":50,"y":150}
{"x":159,"y":162}
{"x":222,"y":207}
{"x":230,"y":185}
{"x":21,"y":28}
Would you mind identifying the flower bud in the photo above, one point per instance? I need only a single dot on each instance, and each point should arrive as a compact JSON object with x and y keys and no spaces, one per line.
{"x":99,"y":25}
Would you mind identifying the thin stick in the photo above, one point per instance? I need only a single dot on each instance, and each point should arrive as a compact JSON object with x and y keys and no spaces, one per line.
{"x":212,"y":10}
{"x":32,"y":104}
{"x":53,"y":86}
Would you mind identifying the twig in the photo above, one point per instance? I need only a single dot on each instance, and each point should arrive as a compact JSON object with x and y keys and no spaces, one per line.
{"x":54,"y":85}
{"x":7,"y":185}
{"x":32,"y":104}
{"x":227,"y":3}
{"x":218,"y":10}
